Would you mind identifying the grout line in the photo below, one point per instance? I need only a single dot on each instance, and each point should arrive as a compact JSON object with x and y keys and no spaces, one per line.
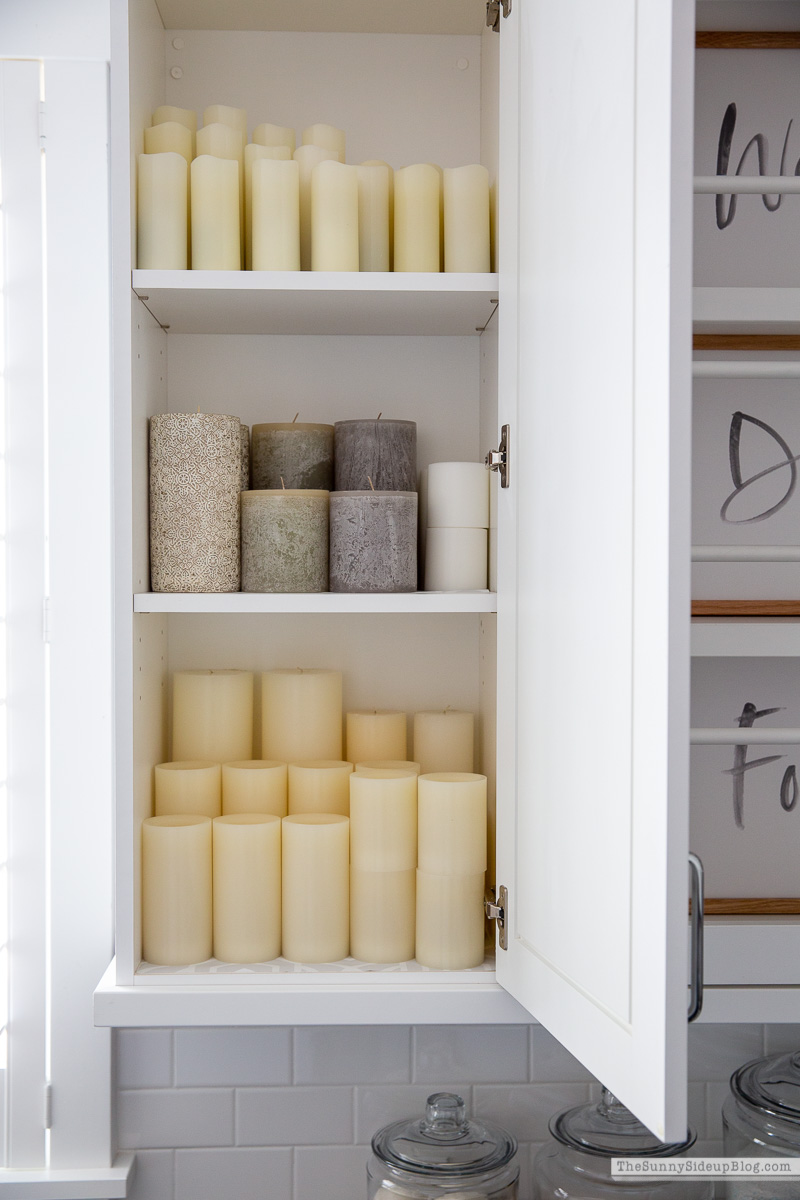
{"x":293,"y":1054}
{"x":530,"y":1055}
{"x":413,"y":1065}
{"x":173,"y":1058}
{"x":174,"y":1173}
{"x":293,"y":1173}
{"x":353,"y":1141}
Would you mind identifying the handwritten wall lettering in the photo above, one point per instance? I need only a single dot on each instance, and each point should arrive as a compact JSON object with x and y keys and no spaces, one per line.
{"x":788,"y":789}
{"x":726,"y":205}
{"x":740,"y":485}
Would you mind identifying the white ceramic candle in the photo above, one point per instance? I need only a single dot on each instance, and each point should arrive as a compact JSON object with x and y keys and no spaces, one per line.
{"x":252,"y":154}
{"x":247,"y":887}
{"x":374,"y":190}
{"x":162,"y":208}
{"x":216,"y":243}
{"x":301,"y":714}
{"x":307,"y":158}
{"x":169,"y":137}
{"x":334,"y":217}
{"x":223,"y":114}
{"x":176,"y":890}
{"x":212,"y":715}
{"x":316,"y":888}
{"x":382,"y":915}
{"x":444,"y":740}
{"x":254,"y":785}
{"x":377,"y":733}
{"x":452,"y":823}
{"x":223,"y":141}
{"x":388,"y":764}
{"x":328,"y":137}
{"x":457,"y":495}
{"x":383,"y":820}
{"x":416,"y":218}
{"x":466,"y":219}
{"x":456,"y":560}
{"x":275,"y":135}
{"x":275,"y":226}
{"x":379,"y":162}
{"x":192,"y":787}
{"x":450,"y":922}
{"x":320,"y":786}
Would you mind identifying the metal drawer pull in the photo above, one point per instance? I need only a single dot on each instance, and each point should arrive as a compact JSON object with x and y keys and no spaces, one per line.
{"x":698,"y":899}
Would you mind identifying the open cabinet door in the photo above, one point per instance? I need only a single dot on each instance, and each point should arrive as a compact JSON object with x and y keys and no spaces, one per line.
{"x":595,"y":229}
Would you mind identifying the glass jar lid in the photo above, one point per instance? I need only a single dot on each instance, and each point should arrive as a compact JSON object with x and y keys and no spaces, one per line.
{"x":444,"y":1142}
{"x":611,"y":1130}
{"x":771,"y":1085}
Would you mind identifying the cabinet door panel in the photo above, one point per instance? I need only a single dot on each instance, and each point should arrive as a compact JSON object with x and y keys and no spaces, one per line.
{"x":600,"y":326}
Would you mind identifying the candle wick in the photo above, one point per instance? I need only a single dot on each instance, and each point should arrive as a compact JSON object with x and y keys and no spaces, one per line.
{"x":371,"y":484}
{"x":294,"y":418}
{"x":380,"y":414}
{"x":283,"y":485}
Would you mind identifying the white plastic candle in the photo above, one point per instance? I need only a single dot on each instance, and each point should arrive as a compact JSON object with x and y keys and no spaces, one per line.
{"x":212,"y":715}
{"x":387,"y":764}
{"x":374,"y":191}
{"x":452,"y":823}
{"x":383,"y":820}
{"x":176,"y":890}
{"x":223,"y":114}
{"x":275,"y":135}
{"x":216,"y":243}
{"x":162,"y":209}
{"x":382,"y":915}
{"x":320,"y":786}
{"x":450,"y":929}
{"x":252,"y":153}
{"x":307,"y":158}
{"x":275,"y":227}
{"x":169,"y":137}
{"x":444,"y":740}
{"x":456,"y":560}
{"x":466,"y":219}
{"x":457,"y":495}
{"x":224,"y":141}
{"x":377,"y":733}
{"x":328,"y":137}
{"x":247,"y":887}
{"x":316,"y":888}
{"x":254,"y":786}
{"x":379,"y":162}
{"x":334,"y":217}
{"x":416,"y":218}
{"x":301,"y":714}
{"x":188,"y":787}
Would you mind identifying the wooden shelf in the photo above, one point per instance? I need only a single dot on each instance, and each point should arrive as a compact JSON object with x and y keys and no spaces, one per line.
{"x":746,"y":310}
{"x":315,"y":602}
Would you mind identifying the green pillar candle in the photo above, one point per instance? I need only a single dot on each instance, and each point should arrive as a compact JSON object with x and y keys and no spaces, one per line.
{"x":285,"y":541}
{"x":292,"y":455}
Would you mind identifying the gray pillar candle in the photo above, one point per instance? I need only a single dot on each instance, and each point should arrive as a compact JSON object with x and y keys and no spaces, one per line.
{"x":285,"y":541}
{"x":381,"y":452}
{"x":292,"y":455}
{"x":195,"y":477}
{"x":244,"y":439}
{"x":373,"y":542}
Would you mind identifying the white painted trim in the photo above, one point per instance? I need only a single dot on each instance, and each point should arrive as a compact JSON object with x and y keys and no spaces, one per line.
{"x":754,"y":638}
{"x":83,"y":1183}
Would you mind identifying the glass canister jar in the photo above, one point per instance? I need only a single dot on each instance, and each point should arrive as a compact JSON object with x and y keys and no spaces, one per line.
{"x":761,"y":1119}
{"x":577,"y":1165}
{"x":442,"y":1156}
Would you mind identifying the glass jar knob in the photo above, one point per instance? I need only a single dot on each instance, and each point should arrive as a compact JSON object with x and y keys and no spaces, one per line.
{"x":445,"y":1115}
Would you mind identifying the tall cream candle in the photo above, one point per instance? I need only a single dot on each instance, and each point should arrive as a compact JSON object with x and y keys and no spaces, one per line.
{"x":169,"y":137}
{"x":326,"y":136}
{"x":301,"y":714}
{"x":382,"y":915}
{"x":452,"y":823}
{"x":416,"y":218}
{"x":320,"y":786}
{"x":162,"y":212}
{"x":334,"y":217}
{"x":223,"y":114}
{"x":456,"y":560}
{"x":383,"y":820}
{"x":377,"y":733}
{"x":450,"y":922}
{"x":275,"y":135}
{"x":192,"y":787}
{"x":374,"y":190}
{"x":457,"y":495}
{"x":316,"y":887}
{"x":169,"y":112}
{"x":444,"y":741}
{"x":307,"y":158}
{"x":466,"y":219}
{"x":223,"y":141}
{"x":176,"y":890}
{"x":216,"y":242}
{"x":252,"y":153}
{"x":388,"y":764}
{"x":379,"y":162}
{"x":212,"y":715}
{"x":247,"y":887}
{"x":254,"y":786}
{"x":275,"y":230}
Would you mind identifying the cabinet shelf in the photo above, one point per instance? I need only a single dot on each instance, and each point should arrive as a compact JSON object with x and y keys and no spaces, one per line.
{"x":315,"y":602}
{"x":746,"y":310}
{"x":318,"y":302}
{"x":777,"y":637}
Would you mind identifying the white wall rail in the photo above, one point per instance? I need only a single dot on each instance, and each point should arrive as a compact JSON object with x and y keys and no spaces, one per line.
{"x":745,"y":737}
{"x":742,"y":554}
{"x":746,"y":185}
{"x":744,"y":369}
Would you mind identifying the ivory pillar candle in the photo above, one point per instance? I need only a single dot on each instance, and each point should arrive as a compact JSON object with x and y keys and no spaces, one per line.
{"x":254,"y":785}
{"x":247,"y":887}
{"x":388,"y":764}
{"x":416,"y":218}
{"x":466,"y":219}
{"x":375,"y":454}
{"x":383,"y":820}
{"x":275,"y":135}
{"x":456,"y":560}
{"x":320,"y":785}
{"x":284,"y":541}
{"x":224,"y":141}
{"x":452,"y":823}
{"x":307,"y":158}
{"x":212,"y":715}
{"x":458,"y":495}
{"x":162,"y":212}
{"x":382,"y":915}
{"x":444,"y":741}
{"x":293,"y":455}
{"x":450,"y":929}
{"x":184,"y":116}
{"x":373,"y":542}
{"x":379,"y":162}
{"x":374,"y":187}
{"x":301,"y":714}
{"x":195,"y":479}
{"x":328,"y":137}
{"x":276,"y":215}
{"x":216,"y":244}
{"x":223,"y":114}
{"x":378,"y":733}
{"x":334,"y":217}
{"x":169,"y":137}
{"x":193,"y":786}
{"x":176,"y":890}
{"x":316,"y":887}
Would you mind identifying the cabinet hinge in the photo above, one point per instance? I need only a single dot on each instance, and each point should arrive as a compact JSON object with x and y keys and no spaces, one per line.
{"x":493,"y":8}
{"x":42,"y":128}
{"x":500,"y":459}
{"x":497,"y":912}
{"x":48,"y":1106}
{"x":47,"y":622}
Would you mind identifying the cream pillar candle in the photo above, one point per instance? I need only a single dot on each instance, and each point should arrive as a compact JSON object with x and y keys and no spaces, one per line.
{"x":388,"y":764}
{"x":193,"y":787}
{"x":252,"y":154}
{"x":444,"y":741}
{"x":320,"y":786}
{"x":450,"y":928}
{"x":223,"y":141}
{"x":456,"y":560}
{"x":176,"y":890}
{"x":184,"y":116}
{"x":301,"y":714}
{"x":378,"y":733}
{"x":307,"y":158}
{"x":275,"y":135}
{"x":452,"y":823}
{"x":379,"y":162}
{"x":315,"y":887}
{"x":334,"y":217}
{"x":466,"y":219}
{"x":275,"y":227}
{"x":212,"y":715}
{"x":382,"y":915}
{"x":255,"y":785}
{"x":223,"y":114}
{"x":458,"y":495}
{"x":440,"y":172}
{"x":247,"y":887}
{"x":169,"y":137}
{"x":328,"y":137}
{"x":383,"y":820}
{"x":162,"y":212}
{"x":216,"y":242}
{"x":374,"y":190}
{"x":416,"y":218}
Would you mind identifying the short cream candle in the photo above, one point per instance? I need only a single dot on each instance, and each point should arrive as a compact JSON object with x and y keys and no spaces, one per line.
{"x":176,"y":890}
{"x":316,"y":888}
{"x":275,"y":227}
{"x":374,"y":190}
{"x":216,"y":244}
{"x":416,"y":218}
{"x":169,"y":137}
{"x":456,"y":560}
{"x":388,"y":764}
{"x":383,"y":820}
{"x":452,"y":823}
{"x":382,"y":915}
{"x":328,"y":137}
{"x":162,"y":212}
{"x":255,"y":785}
{"x":450,"y":921}
{"x":301,"y":714}
{"x":334,"y":217}
{"x":247,"y":887}
{"x":466,"y":219}
{"x":320,"y":786}
{"x":376,"y":733}
{"x":169,"y":112}
{"x":457,"y":495}
{"x":307,"y":158}
{"x":252,"y":154}
{"x":275,"y":135}
{"x":212,"y":715}
{"x":192,"y":787}
{"x":223,"y":114}
{"x":444,"y":740}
